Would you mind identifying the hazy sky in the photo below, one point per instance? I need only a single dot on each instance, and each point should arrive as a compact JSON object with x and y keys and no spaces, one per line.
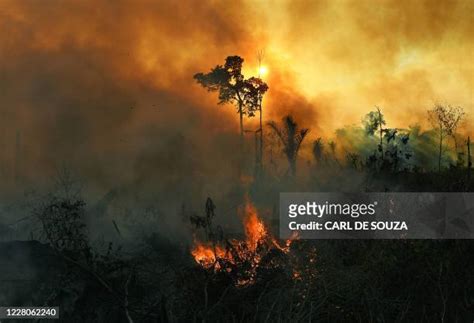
{"x":98,"y":80}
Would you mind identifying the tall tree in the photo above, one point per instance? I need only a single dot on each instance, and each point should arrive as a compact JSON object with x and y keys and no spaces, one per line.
{"x":291,"y":138}
{"x":255,"y":88}
{"x":260,"y":56}
{"x":229,"y":81}
{"x":446,"y":120}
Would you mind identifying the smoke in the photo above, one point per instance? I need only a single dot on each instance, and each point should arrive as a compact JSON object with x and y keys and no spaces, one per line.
{"x":401,"y":55}
{"x":107,"y":88}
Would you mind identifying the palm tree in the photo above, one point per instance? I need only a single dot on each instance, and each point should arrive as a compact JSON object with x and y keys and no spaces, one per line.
{"x":291,"y":138}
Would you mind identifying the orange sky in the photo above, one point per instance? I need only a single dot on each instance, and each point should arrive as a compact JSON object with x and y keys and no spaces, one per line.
{"x":401,"y":55}
{"x":89,"y":72}
{"x":342,"y":56}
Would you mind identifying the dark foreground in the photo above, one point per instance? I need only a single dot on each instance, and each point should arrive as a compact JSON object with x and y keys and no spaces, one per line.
{"x":362,"y":281}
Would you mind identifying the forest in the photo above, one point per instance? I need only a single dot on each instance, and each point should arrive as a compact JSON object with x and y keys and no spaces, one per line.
{"x":145,"y":147}
{"x":231,"y":266}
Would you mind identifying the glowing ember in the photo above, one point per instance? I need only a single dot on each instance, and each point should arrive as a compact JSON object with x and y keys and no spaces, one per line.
{"x":238,"y":254}
{"x":206,"y":255}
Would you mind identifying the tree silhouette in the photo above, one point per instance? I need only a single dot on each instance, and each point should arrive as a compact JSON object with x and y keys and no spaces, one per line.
{"x":374,"y":122}
{"x":393,"y":142}
{"x":260,"y":56}
{"x":332,"y":148}
{"x":245,"y":94}
{"x":446,"y":120}
{"x":318,"y":150}
{"x":255,"y":88}
{"x":229,"y":81}
{"x":291,"y":138}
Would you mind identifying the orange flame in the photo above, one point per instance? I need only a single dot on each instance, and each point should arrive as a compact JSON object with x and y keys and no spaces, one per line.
{"x":255,"y":230}
{"x":207,"y":255}
{"x":213,"y":256}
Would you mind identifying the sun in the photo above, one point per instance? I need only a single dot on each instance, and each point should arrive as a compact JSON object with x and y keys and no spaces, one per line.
{"x":262,"y":71}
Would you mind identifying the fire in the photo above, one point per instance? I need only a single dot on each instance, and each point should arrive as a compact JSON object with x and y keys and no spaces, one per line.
{"x":207,"y":256}
{"x":255,"y":230}
{"x":235,"y":254}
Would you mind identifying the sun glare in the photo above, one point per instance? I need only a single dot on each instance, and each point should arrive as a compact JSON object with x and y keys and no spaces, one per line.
{"x":262,"y":71}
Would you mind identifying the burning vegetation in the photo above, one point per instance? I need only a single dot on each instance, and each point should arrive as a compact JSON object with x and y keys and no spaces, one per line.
{"x":241,"y":259}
